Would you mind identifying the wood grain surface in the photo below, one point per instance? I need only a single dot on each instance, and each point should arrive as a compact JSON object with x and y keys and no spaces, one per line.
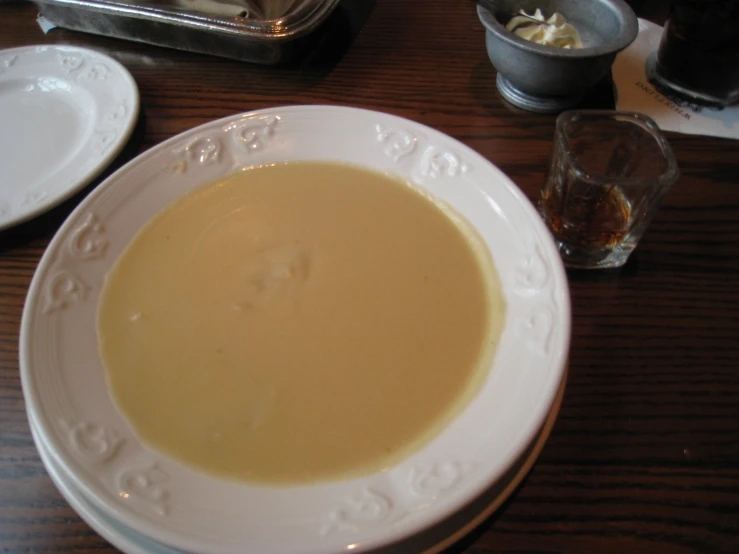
{"x":645,"y":454}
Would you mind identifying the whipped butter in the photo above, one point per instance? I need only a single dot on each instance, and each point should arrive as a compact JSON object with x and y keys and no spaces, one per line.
{"x":554,"y":31}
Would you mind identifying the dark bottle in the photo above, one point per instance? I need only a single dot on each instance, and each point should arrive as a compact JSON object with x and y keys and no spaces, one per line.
{"x":698,"y":56}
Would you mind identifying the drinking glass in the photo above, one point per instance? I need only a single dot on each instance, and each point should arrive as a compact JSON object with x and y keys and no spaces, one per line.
{"x":698,"y":56}
{"x":609,"y":172}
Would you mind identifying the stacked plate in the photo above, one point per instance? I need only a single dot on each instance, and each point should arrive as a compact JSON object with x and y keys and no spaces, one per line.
{"x":143,"y":501}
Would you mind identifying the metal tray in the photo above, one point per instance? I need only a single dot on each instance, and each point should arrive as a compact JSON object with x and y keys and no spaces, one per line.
{"x":260,"y":31}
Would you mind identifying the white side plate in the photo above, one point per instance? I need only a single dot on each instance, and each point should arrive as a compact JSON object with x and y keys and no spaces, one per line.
{"x":65,"y":113}
{"x":67,"y":396}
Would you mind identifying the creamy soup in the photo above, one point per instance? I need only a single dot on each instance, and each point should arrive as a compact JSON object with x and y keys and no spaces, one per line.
{"x":297,"y":323}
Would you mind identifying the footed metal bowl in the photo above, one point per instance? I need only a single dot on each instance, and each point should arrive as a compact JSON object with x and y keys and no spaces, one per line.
{"x":549,"y":79}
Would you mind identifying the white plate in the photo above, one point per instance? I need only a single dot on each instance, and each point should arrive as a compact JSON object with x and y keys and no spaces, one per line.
{"x":116,"y":534}
{"x":432,"y":541}
{"x":64,"y":382}
{"x":65,"y":113}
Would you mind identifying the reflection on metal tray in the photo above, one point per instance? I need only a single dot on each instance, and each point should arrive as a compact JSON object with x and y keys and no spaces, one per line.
{"x":261,"y":31}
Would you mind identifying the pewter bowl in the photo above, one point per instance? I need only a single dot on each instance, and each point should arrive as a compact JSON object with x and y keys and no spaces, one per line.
{"x":547,"y":78}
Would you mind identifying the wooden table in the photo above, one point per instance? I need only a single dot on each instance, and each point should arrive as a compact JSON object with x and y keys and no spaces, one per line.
{"x":645,"y":454}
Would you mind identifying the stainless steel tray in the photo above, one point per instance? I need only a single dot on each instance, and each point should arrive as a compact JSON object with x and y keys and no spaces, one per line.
{"x":266,"y":31}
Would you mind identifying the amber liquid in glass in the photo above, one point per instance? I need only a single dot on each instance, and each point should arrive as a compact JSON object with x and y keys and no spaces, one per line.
{"x":592,"y":222}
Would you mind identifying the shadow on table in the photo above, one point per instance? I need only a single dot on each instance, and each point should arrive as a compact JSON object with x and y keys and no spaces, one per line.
{"x":629,"y":269}
{"x":335,"y":36}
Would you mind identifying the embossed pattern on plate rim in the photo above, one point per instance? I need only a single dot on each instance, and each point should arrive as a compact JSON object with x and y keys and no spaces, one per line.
{"x":532,"y":233}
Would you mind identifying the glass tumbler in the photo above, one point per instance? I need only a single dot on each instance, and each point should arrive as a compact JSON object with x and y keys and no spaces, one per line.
{"x":698,"y":56}
{"x":609,"y":172}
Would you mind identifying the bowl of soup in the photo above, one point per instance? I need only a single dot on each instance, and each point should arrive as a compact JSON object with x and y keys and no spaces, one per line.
{"x":295,"y":330}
